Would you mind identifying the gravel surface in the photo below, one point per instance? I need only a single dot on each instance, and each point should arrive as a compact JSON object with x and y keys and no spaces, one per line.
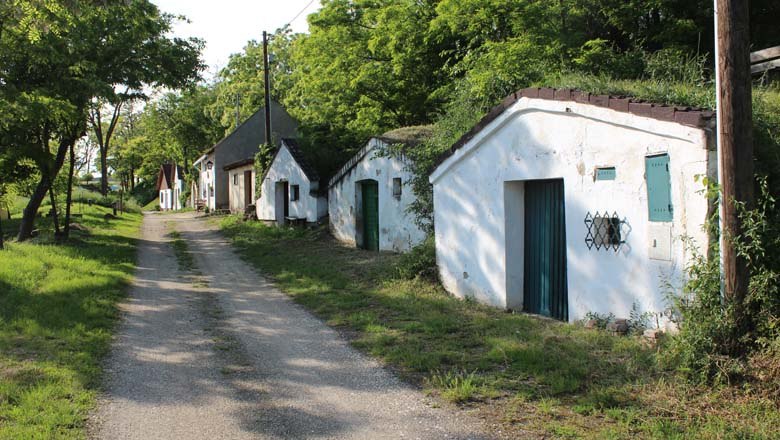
{"x":220,"y":353}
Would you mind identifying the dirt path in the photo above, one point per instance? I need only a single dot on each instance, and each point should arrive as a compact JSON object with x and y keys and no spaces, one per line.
{"x":224,"y":355}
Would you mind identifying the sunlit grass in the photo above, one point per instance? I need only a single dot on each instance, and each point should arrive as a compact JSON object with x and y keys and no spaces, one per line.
{"x":535,"y":375}
{"x":57,"y":314}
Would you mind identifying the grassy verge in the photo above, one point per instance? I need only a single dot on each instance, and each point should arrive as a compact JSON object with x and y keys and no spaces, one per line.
{"x":534,"y":376}
{"x":57,"y":313}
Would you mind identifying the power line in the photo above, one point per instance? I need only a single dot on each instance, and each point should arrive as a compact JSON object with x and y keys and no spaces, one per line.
{"x":300,"y":12}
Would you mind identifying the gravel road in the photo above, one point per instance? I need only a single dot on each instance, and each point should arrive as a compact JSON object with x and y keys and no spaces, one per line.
{"x":219,"y":353}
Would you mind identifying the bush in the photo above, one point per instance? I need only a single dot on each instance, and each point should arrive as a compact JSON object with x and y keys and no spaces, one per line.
{"x":599,"y":57}
{"x":419,"y":262}
{"x":717,"y":338}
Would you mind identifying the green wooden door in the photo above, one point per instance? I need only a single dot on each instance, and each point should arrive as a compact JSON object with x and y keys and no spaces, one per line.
{"x":370,"y":215}
{"x":545,"y":290}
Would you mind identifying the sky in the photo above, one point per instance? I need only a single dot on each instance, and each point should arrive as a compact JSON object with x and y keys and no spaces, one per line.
{"x":226,"y":25}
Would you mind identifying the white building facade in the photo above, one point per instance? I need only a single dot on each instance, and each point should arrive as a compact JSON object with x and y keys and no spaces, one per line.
{"x":290,"y":189}
{"x":368,"y":201}
{"x":204,"y":166}
{"x":241,"y":179}
{"x":170,"y":186}
{"x":561,"y":203}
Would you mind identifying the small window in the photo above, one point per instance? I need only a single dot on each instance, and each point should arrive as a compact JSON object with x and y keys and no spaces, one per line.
{"x":235,"y":179}
{"x":397,"y":187}
{"x":295,"y":192}
{"x":606,"y":173}
{"x":162,"y":198}
{"x":607,"y":231}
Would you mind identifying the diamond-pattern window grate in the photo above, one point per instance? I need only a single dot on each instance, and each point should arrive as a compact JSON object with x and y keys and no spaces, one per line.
{"x":604,"y":231}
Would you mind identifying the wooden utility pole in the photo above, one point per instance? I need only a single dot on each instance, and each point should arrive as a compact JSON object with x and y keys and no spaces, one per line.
{"x":266,"y":76}
{"x":735,"y":138}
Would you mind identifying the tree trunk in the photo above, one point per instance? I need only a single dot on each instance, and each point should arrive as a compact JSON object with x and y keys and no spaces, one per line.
{"x":31,"y":210}
{"x":69,"y":197}
{"x":103,"y":171}
{"x":735,"y":134}
{"x":54,"y":216}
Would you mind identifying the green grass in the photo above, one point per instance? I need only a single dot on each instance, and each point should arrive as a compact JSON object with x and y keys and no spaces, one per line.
{"x":154,"y":205}
{"x":57,"y":314}
{"x":183,"y":256}
{"x":529,"y":374}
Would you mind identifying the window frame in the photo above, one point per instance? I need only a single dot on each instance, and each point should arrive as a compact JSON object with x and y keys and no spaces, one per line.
{"x":398,"y":189}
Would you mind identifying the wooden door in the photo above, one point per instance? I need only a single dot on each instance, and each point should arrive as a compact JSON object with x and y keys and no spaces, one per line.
{"x":370,"y":215}
{"x":248,"y":188}
{"x":545,"y":289}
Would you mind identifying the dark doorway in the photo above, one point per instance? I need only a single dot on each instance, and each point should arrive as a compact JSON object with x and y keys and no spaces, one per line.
{"x":370,"y":208}
{"x":545,"y":290}
{"x":282,"y":202}
{"x":248,"y":196}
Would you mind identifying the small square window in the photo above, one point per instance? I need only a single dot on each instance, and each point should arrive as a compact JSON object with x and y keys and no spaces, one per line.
{"x":295,"y":192}
{"x":397,"y":187}
{"x":607,"y":231}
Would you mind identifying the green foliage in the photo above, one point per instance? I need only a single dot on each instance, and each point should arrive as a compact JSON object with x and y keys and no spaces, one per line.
{"x":457,"y":387}
{"x":419,"y":262}
{"x":601,"y":319}
{"x":676,"y":65}
{"x":712,"y":328}
{"x":262,"y":162}
{"x":599,"y":57}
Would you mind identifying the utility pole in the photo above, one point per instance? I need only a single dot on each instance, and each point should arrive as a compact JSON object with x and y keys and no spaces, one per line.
{"x":735,"y":140}
{"x":238,"y":109}
{"x":267,"y":91}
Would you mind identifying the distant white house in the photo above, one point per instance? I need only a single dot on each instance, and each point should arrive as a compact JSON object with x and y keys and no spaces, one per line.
{"x":170,"y":184}
{"x":561,"y":203}
{"x":369,"y":197}
{"x":290,"y":189}
{"x":206,"y":196}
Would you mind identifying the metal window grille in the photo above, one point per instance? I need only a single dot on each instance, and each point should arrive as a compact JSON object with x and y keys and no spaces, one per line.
{"x":604,"y":231}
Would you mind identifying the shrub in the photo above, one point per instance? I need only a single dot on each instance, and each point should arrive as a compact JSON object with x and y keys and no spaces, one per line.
{"x":600,"y":57}
{"x":717,"y":338}
{"x":419,"y":262}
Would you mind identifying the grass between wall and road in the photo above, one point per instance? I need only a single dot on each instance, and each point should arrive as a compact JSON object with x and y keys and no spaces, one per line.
{"x":57,"y":315}
{"x":534,"y":377}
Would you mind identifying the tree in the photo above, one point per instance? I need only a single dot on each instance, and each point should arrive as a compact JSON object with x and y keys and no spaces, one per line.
{"x":55,"y":58}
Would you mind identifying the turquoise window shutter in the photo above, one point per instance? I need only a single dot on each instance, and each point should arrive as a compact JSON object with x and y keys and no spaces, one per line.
{"x":659,"y":188}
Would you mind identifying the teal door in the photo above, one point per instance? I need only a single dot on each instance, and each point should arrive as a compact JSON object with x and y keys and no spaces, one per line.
{"x":659,"y":188}
{"x":370,"y":215}
{"x":545,"y":290}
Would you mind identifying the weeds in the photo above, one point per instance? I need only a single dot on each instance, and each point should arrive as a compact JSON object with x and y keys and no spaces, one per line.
{"x":456,"y":387}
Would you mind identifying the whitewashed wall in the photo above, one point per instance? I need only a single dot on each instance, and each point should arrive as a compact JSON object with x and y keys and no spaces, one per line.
{"x":237,"y":190}
{"x":206,"y":181}
{"x":285,"y":168}
{"x":480,"y":187}
{"x":164,"y":199}
{"x":397,"y":230}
